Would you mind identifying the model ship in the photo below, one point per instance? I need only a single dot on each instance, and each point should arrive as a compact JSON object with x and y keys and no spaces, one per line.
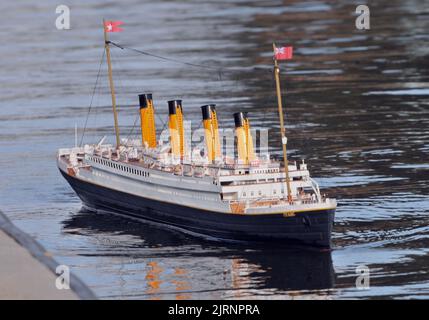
{"x":244,"y":198}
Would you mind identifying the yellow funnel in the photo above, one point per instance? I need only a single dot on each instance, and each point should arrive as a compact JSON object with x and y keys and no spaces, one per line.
{"x":147,"y":120}
{"x":211,"y":131}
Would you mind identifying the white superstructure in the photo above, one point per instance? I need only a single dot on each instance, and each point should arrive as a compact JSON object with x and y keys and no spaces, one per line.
{"x":257,"y":188}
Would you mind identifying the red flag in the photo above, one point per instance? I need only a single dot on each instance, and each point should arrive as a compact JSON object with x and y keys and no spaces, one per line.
{"x":283,"y":53}
{"x":113,"y":26}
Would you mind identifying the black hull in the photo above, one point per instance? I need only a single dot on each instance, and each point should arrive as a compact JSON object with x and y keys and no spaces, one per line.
{"x":310,"y":228}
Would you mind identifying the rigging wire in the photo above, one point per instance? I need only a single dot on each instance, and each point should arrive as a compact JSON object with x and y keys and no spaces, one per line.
{"x":120,"y":88}
{"x":272,"y":86}
{"x":133,"y":127}
{"x":164,"y":123}
{"x":92,"y":97}
{"x":97,"y":104}
{"x":220,"y":70}
{"x":161,"y":57}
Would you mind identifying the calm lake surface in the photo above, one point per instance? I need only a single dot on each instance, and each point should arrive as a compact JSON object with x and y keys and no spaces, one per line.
{"x":357,"y":109}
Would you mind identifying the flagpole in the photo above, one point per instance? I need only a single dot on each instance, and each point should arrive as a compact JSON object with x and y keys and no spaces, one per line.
{"x":112,"y":88}
{"x":282,"y":127}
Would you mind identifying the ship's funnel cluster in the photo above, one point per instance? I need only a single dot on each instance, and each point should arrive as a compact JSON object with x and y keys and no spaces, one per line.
{"x":245,"y":148}
{"x":246,"y":153}
{"x":175,"y":124}
{"x":211,"y":131}
{"x":147,"y":120}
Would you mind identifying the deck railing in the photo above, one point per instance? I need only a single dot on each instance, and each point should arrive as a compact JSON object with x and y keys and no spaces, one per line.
{"x":268,"y":202}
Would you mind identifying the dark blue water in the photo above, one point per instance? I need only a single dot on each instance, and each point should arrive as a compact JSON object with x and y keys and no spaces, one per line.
{"x":357,"y":109}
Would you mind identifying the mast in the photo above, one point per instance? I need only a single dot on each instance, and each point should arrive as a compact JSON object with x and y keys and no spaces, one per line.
{"x":112,"y":88}
{"x":282,"y":127}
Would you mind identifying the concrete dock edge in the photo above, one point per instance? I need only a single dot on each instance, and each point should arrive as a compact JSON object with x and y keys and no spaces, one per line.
{"x":40,"y":254}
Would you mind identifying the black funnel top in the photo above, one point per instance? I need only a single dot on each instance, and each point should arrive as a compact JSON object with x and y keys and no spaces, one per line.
{"x":173,"y":104}
{"x":144,"y":98}
{"x":207,"y":111}
{"x":239,"y":118}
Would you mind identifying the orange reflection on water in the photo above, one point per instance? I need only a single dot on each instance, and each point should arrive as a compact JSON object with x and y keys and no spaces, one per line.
{"x":153,"y":277}
{"x":182,"y":285}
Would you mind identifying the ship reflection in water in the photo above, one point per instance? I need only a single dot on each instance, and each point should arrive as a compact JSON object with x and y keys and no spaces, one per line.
{"x":164,"y":264}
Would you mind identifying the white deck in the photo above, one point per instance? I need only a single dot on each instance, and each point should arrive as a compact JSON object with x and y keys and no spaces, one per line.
{"x":258,"y":190}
